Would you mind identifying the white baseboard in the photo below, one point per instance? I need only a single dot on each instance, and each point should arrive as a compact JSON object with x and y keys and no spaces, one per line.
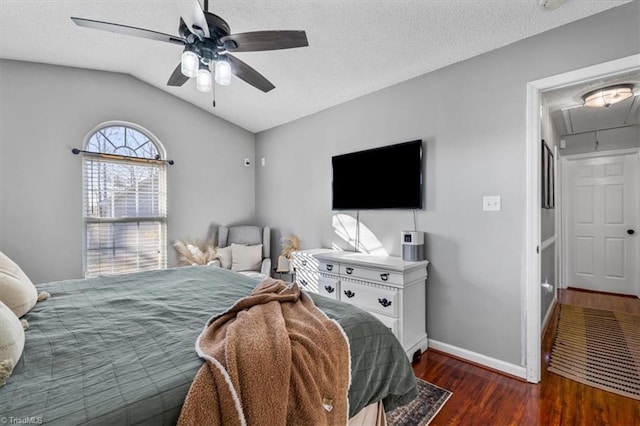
{"x":496,"y":364}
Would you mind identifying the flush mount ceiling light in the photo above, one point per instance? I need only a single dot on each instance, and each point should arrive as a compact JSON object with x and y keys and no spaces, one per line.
{"x":608,"y":96}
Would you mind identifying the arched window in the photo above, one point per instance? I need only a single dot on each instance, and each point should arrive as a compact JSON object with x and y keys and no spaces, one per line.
{"x":125,"y":208}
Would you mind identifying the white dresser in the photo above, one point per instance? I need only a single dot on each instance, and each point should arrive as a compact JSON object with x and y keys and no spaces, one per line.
{"x":390,"y":288}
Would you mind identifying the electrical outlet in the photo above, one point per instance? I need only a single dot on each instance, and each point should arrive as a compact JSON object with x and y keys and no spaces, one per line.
{"x":491,"y":203}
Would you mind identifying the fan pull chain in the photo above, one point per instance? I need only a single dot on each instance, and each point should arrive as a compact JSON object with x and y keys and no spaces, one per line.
{"x":214,"y":92}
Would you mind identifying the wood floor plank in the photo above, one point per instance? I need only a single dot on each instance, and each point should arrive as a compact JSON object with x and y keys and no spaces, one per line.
{"x":484,"y":397}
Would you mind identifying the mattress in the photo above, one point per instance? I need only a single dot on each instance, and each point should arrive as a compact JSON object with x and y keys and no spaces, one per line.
{"x":120,"y":349}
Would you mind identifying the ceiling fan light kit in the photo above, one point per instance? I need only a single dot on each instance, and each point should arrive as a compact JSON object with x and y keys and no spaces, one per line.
{"x":208,"y":43}
{"x":607,"y":96}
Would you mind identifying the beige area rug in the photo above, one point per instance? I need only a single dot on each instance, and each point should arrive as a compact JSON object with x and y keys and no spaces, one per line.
{"x":598,"y":348}
{"x":421,"y":410}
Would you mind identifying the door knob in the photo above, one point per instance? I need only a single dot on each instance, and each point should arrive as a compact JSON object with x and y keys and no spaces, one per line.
{"x":631,"y":231}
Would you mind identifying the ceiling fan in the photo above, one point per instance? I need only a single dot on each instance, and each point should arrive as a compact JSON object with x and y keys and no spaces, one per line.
{"x":208,"y":42}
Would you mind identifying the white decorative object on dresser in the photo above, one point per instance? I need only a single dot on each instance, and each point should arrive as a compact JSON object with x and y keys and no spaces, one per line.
{"x":388,"y":287}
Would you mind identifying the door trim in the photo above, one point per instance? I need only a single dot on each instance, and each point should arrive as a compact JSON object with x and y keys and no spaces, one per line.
{"x":530,"y":285}
{"x":597,"y":154}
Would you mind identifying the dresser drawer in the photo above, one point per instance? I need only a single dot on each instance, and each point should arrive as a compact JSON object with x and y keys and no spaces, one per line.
{"x":329,"y":267}
{"x":367,"y":274}
{"x":391,"y":323}
{"x":308,"y":279}
{"x":329,"y":287}
{"x":305,"y":258}
{"x":374,"y":299}
{"x":304,"y":262}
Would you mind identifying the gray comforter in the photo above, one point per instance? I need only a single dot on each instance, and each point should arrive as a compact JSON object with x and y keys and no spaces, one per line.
{"x":121,"y":349}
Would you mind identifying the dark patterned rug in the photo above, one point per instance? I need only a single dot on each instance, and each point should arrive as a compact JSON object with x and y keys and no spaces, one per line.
{"x":421,"y":410}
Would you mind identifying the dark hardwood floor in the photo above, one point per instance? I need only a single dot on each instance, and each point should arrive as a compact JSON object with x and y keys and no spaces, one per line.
{"x":484,"y":397}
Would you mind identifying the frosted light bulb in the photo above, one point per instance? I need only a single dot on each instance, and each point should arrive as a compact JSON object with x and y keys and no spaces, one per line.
{"x":189,"y":65}
{"x":203,"y":80}
{"x":223,"y":73}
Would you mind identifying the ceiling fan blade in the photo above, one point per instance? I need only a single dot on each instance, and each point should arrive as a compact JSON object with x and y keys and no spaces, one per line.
{"x":192,"y":14}
{"x":177,"y":78}
{"x":248,"y":74}
{"x":127,"y":30}
{"x":264,"y":40}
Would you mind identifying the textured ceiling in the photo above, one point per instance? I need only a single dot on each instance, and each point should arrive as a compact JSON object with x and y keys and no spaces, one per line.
{"x":356,"y":47}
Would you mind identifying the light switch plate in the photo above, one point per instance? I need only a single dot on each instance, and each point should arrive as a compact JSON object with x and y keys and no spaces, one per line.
{"x":492,"y":203}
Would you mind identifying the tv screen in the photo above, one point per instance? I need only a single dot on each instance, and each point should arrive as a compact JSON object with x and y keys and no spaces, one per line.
{"x":389,"y":177}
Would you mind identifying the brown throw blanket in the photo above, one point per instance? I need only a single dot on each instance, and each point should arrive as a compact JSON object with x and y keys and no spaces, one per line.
{"x":272,"y":359}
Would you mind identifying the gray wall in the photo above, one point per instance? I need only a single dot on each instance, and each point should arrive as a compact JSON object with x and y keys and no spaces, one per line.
{"x":471,"y":116}
{"x":608,"y":140}
{"x":47,"y":110}
{"x":548,"y":256}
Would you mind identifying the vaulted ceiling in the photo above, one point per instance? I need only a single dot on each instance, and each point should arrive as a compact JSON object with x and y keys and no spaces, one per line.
{"x":355,"y":47}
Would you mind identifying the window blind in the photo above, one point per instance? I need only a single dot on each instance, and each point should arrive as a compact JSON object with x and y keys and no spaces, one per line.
{"x":125,"y":216}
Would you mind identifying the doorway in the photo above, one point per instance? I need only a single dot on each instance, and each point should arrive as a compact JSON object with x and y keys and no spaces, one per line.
{"x":600,"y":221}
{"x":532,"y":262}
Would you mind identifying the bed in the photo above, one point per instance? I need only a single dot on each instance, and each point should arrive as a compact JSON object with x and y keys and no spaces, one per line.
{"x":120,"y":349}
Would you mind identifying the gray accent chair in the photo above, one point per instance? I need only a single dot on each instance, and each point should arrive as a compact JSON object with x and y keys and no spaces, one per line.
{"x":250,"y":235}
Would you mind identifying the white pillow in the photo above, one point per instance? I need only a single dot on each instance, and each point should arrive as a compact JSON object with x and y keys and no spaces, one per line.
{"x":16,"y":289}
{"x":11,"y":341}
{"x":246,"y":258}
{"x":224,"y":254}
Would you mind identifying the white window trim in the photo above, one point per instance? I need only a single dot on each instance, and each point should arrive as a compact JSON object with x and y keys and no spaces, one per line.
{"x":152,"y":137}
{"x":163,"y":154}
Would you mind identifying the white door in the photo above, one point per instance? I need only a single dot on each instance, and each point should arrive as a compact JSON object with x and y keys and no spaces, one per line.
{"x":602,"y":219}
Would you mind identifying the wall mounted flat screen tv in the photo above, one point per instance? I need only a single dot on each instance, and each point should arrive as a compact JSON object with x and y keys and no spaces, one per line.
{"x":389,"y":177}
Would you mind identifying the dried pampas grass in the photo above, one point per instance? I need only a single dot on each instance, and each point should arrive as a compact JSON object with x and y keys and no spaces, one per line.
{"x":289,"y":245}
{"x":195,"y":253}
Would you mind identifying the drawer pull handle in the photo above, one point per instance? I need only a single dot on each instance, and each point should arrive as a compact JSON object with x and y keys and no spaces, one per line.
{"x":304,"y":263}
{"x":329,"y":289}
{"x":349,"y":293}
{"x":303,"y":282}
{"x":349,"y":271}
{"x":384,"y":302}
{"x":329,"y":267}
{"x":384,"y":277}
